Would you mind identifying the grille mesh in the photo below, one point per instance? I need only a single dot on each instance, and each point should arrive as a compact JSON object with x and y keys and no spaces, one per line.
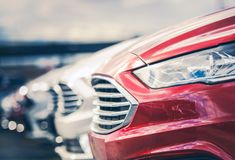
{"x":68,"y":99}
{"x":112,"y":106}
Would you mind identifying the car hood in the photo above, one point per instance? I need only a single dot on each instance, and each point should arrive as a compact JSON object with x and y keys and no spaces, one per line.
{"x":84,"y":68}
{"x":45,"y":81}
{"x":192,"y":35}
{"x":121,"y":62}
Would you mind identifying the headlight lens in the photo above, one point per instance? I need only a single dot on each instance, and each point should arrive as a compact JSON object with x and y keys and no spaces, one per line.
{"x":208,"y":66}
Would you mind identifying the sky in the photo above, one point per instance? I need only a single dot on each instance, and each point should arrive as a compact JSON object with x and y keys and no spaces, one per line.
{"x":96,"y":20}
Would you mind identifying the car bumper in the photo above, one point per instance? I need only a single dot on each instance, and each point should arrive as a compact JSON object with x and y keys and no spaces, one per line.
{"x":42,"y":128}
{"x":195,"y":119}
{"x":159,"y":146}
{"x":73,"y":125}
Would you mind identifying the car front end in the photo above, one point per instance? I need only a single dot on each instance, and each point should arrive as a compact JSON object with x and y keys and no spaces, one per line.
{"x":170,"y":96}
{"x":38,"y":101}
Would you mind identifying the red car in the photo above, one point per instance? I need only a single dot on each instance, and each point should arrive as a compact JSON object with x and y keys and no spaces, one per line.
{"x":170,"y":96}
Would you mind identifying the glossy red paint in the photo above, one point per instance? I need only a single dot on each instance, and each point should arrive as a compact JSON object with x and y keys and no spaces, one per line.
{"x":193,"y":119}
{"x":173,"y":119}
{"x":190,"y":36}
{"x":121,"y":62}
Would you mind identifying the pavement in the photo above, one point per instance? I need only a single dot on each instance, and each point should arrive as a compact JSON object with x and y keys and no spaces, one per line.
{"x":14,"y":146}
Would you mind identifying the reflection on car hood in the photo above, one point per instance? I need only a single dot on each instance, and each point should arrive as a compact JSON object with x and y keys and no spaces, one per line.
{"x":86,"y":67}
{"x":197,"y":33}
{"x":44,"y":82}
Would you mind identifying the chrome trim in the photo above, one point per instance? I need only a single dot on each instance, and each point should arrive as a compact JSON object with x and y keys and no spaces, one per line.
{"x":102,"y":86}
{"x":109,"y":95}
{"x":221,"y":79}
{"x":130,"y":112}
{"x":69,"y":93}
{"x":72,"y":98}
{"x":97,"y":120}
{"x":110,"y":104}
{"x":109,"y":113}
{"x":78,"y":103}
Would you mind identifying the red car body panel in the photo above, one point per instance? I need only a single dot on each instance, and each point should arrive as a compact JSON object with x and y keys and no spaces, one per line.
{"x":192,"y":119}
{"x":197,"y":34}
{"x":121,"y":62}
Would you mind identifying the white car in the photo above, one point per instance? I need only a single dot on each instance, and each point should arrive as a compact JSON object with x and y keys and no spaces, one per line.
{"x":44,"y":97}
{"x":75,"y":96}
{"x":31,"y":108}
{"x":41,"y":115}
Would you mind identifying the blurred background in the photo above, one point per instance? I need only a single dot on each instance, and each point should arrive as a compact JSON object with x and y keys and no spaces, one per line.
{"x":39,"y":36}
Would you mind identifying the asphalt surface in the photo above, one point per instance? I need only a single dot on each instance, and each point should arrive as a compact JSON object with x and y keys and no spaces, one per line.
{"x":14,"y":146}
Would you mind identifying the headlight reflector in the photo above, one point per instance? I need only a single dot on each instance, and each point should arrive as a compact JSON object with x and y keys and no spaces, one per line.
{"x":205,"y":66}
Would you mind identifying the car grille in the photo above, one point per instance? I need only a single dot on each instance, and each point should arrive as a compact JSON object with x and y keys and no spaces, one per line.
{"x":114,"y":105}
{"x":68,"y":100}
{"x":54,"y":98}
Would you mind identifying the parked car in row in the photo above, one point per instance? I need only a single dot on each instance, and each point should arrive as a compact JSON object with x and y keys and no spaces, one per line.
{"x":166,"y":96}
{"x":41,"y":115}
{"x":75,"y":96}
{"x":169,"y":96}
{"x":32,"y":107}
{"x":13,"y":115}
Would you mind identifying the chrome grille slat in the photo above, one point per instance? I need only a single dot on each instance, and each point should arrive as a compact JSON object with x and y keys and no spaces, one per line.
{"x":114,"y":105}
{"x":109,"y":95}
{"x":110,"y":104}
{"x":68,"y":93}
{"x":97,"y":111}
{"x":72,"y":104}
{"x":100,"y":121}
{"x":104,"y":86}
{"x":68,"y":111}
{"x":72,"y":98}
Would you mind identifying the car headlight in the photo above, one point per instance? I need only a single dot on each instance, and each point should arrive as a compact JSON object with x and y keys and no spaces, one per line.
{"x":207,"y":66}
